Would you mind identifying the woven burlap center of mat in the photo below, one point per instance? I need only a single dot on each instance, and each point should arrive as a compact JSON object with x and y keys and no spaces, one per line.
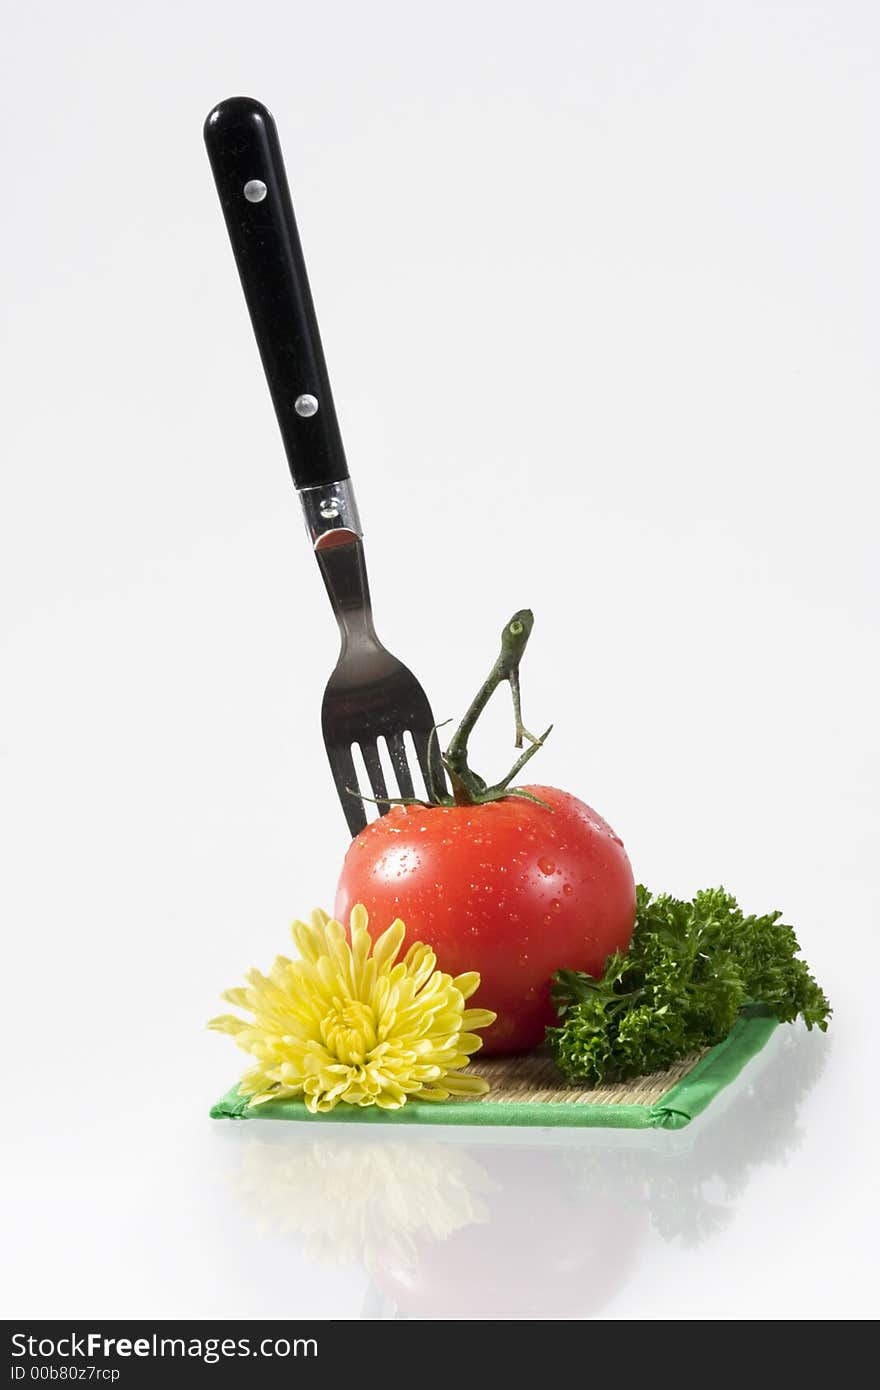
{"x":534,"y":1077}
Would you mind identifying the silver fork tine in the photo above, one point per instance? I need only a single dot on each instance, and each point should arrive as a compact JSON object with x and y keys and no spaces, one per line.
{"x":397,"y":753}
{"x":370,"y":753}
{"x":345,"y":776}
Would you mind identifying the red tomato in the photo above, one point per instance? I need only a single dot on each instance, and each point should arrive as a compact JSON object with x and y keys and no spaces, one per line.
{"x":511,"y":889}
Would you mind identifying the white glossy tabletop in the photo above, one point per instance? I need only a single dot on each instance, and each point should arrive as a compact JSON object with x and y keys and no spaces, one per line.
{"x":153,"y":1211}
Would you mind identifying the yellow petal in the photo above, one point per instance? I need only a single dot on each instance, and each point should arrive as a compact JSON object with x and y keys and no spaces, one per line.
{"x":466,"y":1085}
{"x":228,"y":1023}
{"x":388,"y":1102}
{"x":238,"y":997}
{"x":387,"y":948}
{"x":419,"y":962}
{"x":448,"y":1022}
{"x":433,"y":1093}
{"x":309,"y":940}
{"x":478,"y":1018}
{"x":360,"y":951}
{"x":359,"y":918}
{"x":468,"y":983}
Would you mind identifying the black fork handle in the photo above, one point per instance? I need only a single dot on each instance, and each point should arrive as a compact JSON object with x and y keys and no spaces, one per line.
{"x":245,"y":156}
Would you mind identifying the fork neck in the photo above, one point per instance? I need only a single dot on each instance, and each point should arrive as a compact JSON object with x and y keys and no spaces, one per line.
{"x":343,"y":568}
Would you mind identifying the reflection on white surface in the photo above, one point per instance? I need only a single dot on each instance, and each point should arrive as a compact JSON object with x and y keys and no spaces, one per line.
{"x":515,"y":1223}
{"x":369,"y":1203}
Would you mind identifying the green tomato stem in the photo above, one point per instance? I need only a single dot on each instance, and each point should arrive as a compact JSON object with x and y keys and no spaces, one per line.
{"x":468,"y":788}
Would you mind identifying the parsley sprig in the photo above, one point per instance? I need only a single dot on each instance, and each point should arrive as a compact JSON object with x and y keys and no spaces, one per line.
{"x":690,"y":970}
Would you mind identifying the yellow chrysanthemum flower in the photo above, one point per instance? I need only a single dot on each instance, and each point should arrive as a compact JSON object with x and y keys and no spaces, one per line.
{"x":344,"y":1023}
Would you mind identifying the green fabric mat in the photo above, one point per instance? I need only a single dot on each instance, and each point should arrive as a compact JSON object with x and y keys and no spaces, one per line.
{"x":675,"y":1109}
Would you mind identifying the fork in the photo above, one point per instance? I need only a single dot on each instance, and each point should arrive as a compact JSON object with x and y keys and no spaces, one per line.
{"x":371,"y":696}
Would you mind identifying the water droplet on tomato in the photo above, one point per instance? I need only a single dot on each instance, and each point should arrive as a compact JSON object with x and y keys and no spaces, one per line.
{"x":567,"y":889}
{"x":556,"y":905}
{"x":546,"y":865}
{"x":547,"y":920}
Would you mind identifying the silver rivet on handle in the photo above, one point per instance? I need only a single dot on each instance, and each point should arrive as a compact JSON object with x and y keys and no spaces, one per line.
{"x":306,"y":406}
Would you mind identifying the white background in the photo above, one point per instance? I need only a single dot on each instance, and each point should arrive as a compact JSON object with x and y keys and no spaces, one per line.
{"x":599,"y":296}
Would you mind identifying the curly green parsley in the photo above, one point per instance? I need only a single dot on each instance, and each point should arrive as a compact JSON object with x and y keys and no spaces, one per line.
{"x":690,"y":969}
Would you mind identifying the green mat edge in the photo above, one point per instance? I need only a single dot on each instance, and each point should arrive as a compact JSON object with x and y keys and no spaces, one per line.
{"x":681,"y":1104}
